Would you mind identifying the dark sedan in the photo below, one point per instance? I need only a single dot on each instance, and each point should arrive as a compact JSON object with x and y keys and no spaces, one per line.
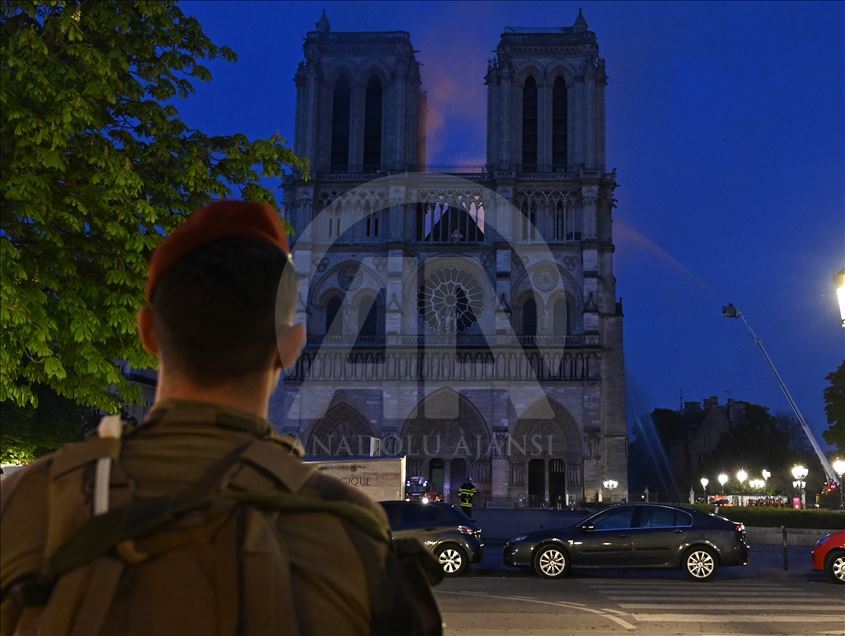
{"x":631,"y":536}
{"x":451,"y":536}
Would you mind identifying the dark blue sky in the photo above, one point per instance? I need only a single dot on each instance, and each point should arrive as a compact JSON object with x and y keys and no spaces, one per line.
{"x":726,"y":122}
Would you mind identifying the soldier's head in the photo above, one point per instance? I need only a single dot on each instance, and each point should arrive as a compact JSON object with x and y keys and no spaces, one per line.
{"x":222,"y":297}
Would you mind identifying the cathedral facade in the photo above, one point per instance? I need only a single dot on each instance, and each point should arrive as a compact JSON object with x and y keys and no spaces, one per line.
{"x":467,"y":320}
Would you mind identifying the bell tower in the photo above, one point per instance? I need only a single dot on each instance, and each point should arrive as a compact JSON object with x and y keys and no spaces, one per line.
{"x":545,"y":101}
{"x":359,"y":107}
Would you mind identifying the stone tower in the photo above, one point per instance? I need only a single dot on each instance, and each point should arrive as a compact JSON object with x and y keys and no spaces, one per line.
{"x":469,"y":320}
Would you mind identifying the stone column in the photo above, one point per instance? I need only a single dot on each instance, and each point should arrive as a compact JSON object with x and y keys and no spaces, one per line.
{"x":499,"y":470}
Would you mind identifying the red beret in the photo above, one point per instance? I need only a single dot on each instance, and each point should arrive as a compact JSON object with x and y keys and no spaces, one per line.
{"x":215,"y":222}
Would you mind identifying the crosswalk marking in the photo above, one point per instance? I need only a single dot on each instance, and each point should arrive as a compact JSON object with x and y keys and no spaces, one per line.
{"x":730,"y":603}
{"x":709,"y":618}
{"x":723,"y":606}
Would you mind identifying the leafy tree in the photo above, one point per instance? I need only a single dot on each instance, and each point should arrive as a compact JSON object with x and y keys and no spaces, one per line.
{"x":96,"y":167}
{"x":27,"y":432}
{"x":762,"y":441}
{"x":834,"y":398}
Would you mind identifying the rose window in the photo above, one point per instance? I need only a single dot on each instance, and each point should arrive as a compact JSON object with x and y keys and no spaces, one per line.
{"x":450,"y":300}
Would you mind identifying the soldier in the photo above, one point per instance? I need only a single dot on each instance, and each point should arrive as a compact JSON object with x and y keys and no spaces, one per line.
{"x":203,"y":520}
{"x":466,"y":494}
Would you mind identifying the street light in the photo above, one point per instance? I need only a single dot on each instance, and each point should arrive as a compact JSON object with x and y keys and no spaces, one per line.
{"x":839,"y":280}
{"x":729,"y":311}
{"x":757,"y":484}
{"x":723,"y":479}
{"x":704,"y":481}
{"x":800,"y":474}
{"x":766,"y":474}
{"x":610,"y":484}
{"x":839,"y":467}
{"x":741,"y":476}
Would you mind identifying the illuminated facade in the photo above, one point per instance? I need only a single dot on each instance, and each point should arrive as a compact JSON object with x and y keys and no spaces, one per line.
{"x":469,"y":320}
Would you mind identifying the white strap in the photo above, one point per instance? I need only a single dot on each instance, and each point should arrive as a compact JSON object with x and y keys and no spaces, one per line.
{"x":110,"y":426}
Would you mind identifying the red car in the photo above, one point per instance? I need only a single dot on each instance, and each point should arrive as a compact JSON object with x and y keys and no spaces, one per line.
{"x":829,"y":556}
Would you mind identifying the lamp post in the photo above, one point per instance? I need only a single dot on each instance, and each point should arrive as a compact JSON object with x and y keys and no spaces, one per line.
{"x":729,"y":311}
{"x":704,"y":481}
{"x":723,"y":479}
{"x":839,"y":467}
{"x":839,"y":280}
{"x":800,"y":474}
{"x":610,"y":484}
{"x":741,"y":476}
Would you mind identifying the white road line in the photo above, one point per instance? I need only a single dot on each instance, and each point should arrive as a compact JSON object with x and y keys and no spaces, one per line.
{"x":709,"y":618}
{"x":713,"y":594}
{"x":722,"y":606}
{"x":622,"y":623}
{"x":650,"y":598}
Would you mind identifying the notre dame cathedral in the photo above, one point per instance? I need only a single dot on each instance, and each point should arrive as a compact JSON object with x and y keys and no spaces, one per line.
{"x":469,"y":320}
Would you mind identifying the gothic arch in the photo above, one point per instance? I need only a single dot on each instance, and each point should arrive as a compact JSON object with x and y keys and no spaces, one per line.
{"x":523,"y":284}
{"x":560,"y":69}
{"x":452,"y":427}
{"x":341,"y":430}
{"x":372,"y":68}
{"x":536,"y":435}
{"x":329,"y":281}
{"x":525,"y":72}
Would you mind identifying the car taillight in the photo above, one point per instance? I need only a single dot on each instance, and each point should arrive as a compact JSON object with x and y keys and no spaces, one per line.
{"x":466,"y":530}
{"x":740,"y":530}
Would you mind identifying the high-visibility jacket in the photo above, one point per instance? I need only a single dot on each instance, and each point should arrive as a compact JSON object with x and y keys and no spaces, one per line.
{"x":466,"y":493}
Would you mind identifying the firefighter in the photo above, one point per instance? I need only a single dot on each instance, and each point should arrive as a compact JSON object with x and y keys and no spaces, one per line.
{"x":465,"y":494}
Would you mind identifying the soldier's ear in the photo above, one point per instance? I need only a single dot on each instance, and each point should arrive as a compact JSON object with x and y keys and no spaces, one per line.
{"x":146,"y":330}
{"x":289,"y":343}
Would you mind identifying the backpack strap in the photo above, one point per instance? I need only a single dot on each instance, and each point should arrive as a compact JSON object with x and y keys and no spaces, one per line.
{"x":69,"y":487}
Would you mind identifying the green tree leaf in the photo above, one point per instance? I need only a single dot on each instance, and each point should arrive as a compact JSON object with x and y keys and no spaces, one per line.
{"x":97,"y":167}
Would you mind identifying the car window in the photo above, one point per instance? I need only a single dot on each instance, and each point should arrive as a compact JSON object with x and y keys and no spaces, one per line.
{"x":614,"y":520}
{"x":682,"y":519}
{"x":421,"y":513}
{"x":393,"y":511}
{"x":656,"y":517}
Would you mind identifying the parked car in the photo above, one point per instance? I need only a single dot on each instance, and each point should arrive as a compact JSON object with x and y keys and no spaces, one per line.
{"x":420,"y":489}
{"x":829,"y":556}
{"x":451,"y":536}
{"x":631,"y":536}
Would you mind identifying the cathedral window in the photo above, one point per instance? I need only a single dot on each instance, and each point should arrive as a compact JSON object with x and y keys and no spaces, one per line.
{"x":563,"y":317}
{"x":529,"y":317}
{"x":333,"y":320}
{"x":372,"y":126}
{"x":559,"y":117}
{"x":340,"y":126}
{"x":528,"y":227}
{"x":566,"y":222}
{"x":463,"y":222}
{"x":529,"y":126}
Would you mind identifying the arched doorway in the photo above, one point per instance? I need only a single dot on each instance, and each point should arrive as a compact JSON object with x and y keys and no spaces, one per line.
{"x":341,"y":432}
{"x":446,"y":427}
{"x":546,"y":445}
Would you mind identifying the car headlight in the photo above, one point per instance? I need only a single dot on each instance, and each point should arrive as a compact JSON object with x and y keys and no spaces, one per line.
{"x":521,"y":538}
{"x":425,"y":500}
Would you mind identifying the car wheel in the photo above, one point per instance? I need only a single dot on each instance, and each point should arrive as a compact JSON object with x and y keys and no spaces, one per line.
{"x":700,"y":563}
{"x":452,"y":558}
{"x":551,"y":562}
{"x":836,"y":566}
